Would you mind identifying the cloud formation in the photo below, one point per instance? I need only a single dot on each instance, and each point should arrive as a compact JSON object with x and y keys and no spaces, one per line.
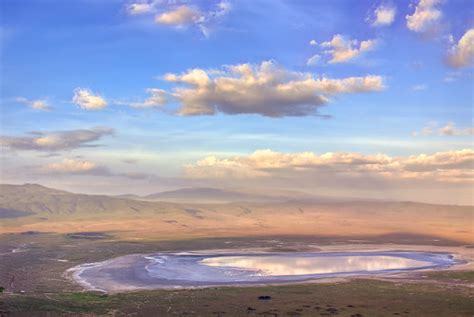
{"x":449,"y":129}
{"x":342,"y":49}
{"x":383,"y":15}
{"x":143,"y":7}
{"x":266,"y":89}
{"x":55,"y":141}
{"x":462,"y":53}
{"x":157,"y":99}
{"x":87,"y":100}
{"x":313,"y":60}
{"x":34,"y":104}
{"x":425,"y":17}
{"x":84,"y":167}
{"x":451,"y":166}
{"x":181,"y":14}
{"x":71,"y":166}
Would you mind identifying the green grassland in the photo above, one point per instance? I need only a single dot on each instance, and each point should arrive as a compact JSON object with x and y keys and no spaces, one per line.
{"x":47,"y":293}
{"x":355,"y":298}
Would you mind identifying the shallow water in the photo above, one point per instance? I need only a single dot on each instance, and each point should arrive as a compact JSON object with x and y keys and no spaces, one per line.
{"x":284,"y":266}
{"x":197,"y":269}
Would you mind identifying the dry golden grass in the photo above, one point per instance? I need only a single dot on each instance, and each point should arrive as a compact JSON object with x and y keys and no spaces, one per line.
{"x":356,"y":219}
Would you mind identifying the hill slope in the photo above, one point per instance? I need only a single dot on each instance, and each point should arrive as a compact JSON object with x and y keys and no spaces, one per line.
{"x":46,"y":201}
{"x":38,"y":208}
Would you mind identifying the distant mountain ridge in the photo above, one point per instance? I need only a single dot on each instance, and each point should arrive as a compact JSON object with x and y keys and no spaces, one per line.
{"x":46,"y":201}
{"x":32,"y":207}
{"x":216,"y":195}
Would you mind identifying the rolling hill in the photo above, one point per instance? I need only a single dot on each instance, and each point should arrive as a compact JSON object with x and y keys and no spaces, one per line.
{"x":38,"y":208}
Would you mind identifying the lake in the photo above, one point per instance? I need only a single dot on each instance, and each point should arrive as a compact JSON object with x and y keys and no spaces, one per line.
{"x":181,"y":270}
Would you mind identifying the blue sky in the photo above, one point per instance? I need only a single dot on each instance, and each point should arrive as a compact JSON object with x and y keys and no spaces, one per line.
{"x":50,"y":48}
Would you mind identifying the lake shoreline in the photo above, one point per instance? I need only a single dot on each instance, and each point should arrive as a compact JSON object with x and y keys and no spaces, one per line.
{"x":129,"y":273}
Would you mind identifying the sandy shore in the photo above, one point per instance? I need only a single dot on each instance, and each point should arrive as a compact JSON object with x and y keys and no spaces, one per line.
{"x":128,"y":273}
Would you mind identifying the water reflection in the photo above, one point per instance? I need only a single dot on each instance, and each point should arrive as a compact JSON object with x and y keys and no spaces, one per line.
{"x":190,"y":269}
{"x":303,"y":265}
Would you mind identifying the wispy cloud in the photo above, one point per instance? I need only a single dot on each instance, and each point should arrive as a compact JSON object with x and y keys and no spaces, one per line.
{"x":450,"y":129}
{"x":141,"y":7}
{"x":157,"y":99}
{"x":181,"y":14}
{"x":313,"y":60}
{"x":420,"y":87}
{"x":72,"y":166}
{"x":55,"y":141}
{"x":34,"y":104}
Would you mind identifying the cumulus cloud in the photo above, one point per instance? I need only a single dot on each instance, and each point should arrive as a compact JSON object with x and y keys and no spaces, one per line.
{"x":425,"y":17}
{"x":266,"y":89}
{"x":157,"y":99}
{"x":383,"y":15}
{"x":55,"y":141}
{"x":313,"y":43}
{"x":34,"y":104}
{"x":342,"y":49}
{"x":451,"y":166}
{"x":87,"y":100}
{"x":462,"y":53}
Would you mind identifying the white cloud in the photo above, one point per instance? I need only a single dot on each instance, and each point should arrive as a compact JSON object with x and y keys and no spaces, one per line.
{"x":462,"y":53}
{"x":383,"y":15}
{"x":266,"y":89}
{"x":343,"y":49}
{"x":140,"y":7}
{"x":425,"y":17}
{"x":157,"y":99}
{"x":34,"y":104}
{"x":87,"y":100}
{"x":313,"y":60}
{"x":222,"y":9}
{"x":180,"y":16}
{"x":313,"y":43}
{"x":450,"y":166}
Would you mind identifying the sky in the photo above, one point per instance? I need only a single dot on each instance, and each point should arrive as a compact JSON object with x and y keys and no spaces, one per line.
{"x":366,"y":99}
